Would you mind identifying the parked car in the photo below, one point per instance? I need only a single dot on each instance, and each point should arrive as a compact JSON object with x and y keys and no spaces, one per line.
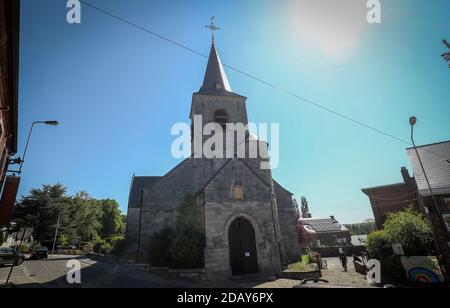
{"x":40,"y":253}
{"x":9,"y":256}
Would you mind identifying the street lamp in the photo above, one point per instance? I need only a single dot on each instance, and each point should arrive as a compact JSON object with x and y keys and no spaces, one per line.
{"x":412,"y":122}
{"x":51,"y":123}
{"x":21,"y":161}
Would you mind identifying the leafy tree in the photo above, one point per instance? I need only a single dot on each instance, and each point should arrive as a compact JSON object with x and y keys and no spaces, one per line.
{"x":446,"y":55}
{"x":111,"y":219}
{"x":361,"y":228}
{"x":40,"y":210}
{"x":82,"y":218}
{"x":378,"y":245}
{"x":408,"y":228}
{"x":187,"y":243}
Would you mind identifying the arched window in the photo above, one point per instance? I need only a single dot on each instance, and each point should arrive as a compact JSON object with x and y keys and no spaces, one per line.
{"x":221,"y":117}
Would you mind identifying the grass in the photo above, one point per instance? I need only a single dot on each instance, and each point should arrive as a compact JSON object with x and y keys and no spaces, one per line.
{"x":301,"y":267}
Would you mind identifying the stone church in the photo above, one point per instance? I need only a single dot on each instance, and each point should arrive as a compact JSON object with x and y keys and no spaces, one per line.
{"x":249,"y":219}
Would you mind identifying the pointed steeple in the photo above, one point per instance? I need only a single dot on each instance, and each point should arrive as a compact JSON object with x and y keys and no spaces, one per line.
{"x":216,"y":80}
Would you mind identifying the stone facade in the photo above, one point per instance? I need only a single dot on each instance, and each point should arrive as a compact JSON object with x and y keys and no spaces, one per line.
{"x":228,"y":189}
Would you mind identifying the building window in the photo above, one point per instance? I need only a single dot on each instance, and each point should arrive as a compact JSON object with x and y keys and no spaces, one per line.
{"x":221,"y":117}
{"x":218,"y":86}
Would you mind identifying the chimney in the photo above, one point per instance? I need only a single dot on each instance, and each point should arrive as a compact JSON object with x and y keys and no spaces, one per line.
{"x":405,"y":175}
{"x":332,"y":217}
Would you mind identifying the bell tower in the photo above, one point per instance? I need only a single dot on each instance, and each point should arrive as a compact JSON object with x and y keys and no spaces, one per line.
{"x":215,"y":102}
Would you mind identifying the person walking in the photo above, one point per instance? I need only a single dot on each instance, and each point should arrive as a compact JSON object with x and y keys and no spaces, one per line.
{"x":343,"y":258}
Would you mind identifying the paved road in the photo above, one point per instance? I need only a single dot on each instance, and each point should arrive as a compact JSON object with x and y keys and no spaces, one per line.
{"x":52,"y":273}
{"x":335,"y":274}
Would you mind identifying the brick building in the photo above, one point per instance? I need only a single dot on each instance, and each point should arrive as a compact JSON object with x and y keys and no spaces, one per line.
{"x":392,"y":198}
{"x":9,"y":71}
{"x":325,"y":232}
{"x":436,"y":163}
{"x":249,"y":220}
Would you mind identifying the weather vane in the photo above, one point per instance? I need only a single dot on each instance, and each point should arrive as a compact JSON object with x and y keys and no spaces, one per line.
{"x":212,"y":26}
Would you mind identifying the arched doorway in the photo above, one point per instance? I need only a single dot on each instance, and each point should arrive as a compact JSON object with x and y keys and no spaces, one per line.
{"x":242,"y":245}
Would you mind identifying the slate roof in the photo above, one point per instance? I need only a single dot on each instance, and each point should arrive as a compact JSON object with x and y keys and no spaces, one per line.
{"x":137,"y":184}
{"x":436,"y":162}
{"x":323,"y":224}
{"x":215,"y":75}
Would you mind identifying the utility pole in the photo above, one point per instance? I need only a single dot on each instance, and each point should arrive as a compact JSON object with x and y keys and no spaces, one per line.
{"x":56,"y":233}
{"x":16,"y":259}
{"x":412,"y":122}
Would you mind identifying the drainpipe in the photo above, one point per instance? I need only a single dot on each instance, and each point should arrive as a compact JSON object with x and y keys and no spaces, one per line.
{"x":204,"y":228}
{"x":138,"y":252}
{"x":273,"y":204}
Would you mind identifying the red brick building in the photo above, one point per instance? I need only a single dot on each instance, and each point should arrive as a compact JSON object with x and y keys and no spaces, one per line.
{"x":392,"y":198}
{"x":9,"y":72}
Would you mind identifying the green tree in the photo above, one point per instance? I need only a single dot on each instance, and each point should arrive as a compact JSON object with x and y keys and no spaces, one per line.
{"x":40,"y":210}
{"x":408,"y":228}
{"x":83,"y":219}
{"x":446,"y":55}
{"x":111,"y":219}
{"x":187,"y":244}
{"x":361,"y":228}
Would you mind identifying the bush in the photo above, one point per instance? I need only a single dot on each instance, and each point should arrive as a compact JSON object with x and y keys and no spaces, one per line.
{"x":101,"y":246}
{"x":412,"y":230}
{"x":378,"y":245}
{"x":408,"y":228}
{"x":187,"y":249}
{"x":24,"y":249}
{"x":187,"y":245}
{"x":118,"y":246}
{"x":160,"y":248}
{"x":181,"y":247}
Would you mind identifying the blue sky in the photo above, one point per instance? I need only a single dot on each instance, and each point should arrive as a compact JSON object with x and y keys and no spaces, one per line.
{"x":117,"y":91}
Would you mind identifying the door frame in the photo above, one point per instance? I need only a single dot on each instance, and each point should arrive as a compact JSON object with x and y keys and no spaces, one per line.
{"x":258,"y":238}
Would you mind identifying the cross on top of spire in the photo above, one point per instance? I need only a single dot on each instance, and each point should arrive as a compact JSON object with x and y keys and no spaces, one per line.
{"x":212,"y":26}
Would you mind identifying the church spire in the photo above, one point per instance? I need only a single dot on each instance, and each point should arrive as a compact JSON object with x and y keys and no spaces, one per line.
{"x":215,"y":78}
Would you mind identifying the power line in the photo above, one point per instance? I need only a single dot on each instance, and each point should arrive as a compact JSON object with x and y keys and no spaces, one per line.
{"x":308,"y":101}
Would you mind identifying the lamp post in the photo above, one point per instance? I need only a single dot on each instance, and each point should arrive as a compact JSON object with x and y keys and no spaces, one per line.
{"x":21,"y":161}
{"x":412,"y":122}
{"x":51,"y":123}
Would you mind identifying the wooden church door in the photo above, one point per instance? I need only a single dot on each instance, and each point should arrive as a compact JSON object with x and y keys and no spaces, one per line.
{"x":242,"y":246}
